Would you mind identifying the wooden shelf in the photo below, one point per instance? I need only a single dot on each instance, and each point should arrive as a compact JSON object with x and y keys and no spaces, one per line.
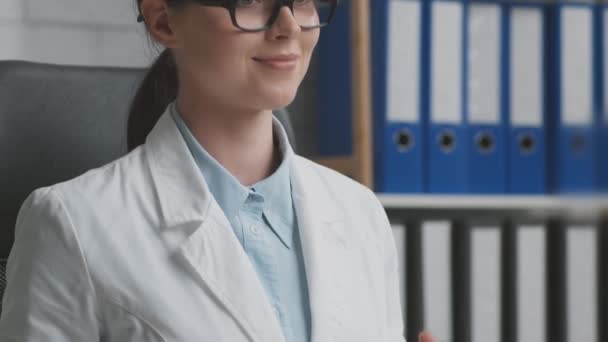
{"x":586,"y":207}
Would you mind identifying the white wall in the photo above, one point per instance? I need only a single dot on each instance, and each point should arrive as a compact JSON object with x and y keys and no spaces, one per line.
{"x":83,"y":32}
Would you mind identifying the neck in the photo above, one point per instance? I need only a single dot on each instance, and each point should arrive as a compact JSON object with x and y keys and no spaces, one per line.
{"x":240,"y":140}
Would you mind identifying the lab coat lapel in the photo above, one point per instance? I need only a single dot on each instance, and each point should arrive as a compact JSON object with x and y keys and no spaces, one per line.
{"x":326,"y":248}
{"x":215,"y":256}
{"x":210,"y":250}
{"x":209,"y":244}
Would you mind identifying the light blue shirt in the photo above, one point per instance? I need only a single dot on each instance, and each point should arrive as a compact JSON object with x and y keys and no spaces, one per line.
{"x":264,"y":221}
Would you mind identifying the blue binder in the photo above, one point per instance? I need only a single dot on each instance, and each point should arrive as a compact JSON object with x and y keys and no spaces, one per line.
{"x":398,"y":92}
{"x":573,"y":98}
{"x":485,"y":92}
{"x":447,"y":162}
{"x":526,"y":105}
{"x":334,"y":85}
{"x":398,"y":58}
{"x":601,"y":73}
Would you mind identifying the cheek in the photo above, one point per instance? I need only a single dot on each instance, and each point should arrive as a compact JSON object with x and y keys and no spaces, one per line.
{"x":310,"y":40}
{"x":214,"y":47}
{"x":308,"y":44}
{"x":217,"y":59}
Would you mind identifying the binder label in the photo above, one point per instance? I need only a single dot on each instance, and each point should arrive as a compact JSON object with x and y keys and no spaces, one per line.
{"x":485,"y":284}
{"x":582,"y":256}
{"x":484,"y":60}
{"x":526,"y":85}
{"x":605,"y":55}
{"x":437,"y":278}
{"x":403,"y":61}
{"x":446,"y":62}
{"x":531,"y":284}
{"x":576,"y":67}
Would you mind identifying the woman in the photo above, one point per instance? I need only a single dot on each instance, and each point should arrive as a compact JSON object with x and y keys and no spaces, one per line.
{"x":211,"y":229}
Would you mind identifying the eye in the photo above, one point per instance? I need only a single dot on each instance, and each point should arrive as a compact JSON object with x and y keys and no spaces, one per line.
{"x":301,"y":2}
{"x":247,"y":3}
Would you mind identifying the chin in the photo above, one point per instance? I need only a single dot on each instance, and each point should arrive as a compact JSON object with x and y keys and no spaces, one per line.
{"x":277,"y":98}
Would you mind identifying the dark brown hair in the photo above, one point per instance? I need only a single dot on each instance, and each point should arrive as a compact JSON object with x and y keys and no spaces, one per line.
{"x":158,"y":89}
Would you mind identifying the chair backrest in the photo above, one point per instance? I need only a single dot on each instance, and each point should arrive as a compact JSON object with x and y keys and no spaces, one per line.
{"x":2,"y":280}
{"x":56,"y":122}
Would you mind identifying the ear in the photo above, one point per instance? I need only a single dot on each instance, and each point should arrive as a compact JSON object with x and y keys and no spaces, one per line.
{"x":158,"y":22}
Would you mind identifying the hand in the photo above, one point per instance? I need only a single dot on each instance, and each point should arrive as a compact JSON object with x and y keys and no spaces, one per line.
{"x":425,"y":336}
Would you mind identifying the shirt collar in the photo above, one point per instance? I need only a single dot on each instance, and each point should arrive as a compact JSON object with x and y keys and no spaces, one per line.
{"x":231,"y":195}
{"x":276,"y":190}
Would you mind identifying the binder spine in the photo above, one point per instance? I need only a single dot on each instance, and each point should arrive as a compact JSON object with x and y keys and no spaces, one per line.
{"x":527,"y":147}
{"x":399,"y":143}
{"x":572,"y":145}
{"x":447,"y":148}
{"x":486,"y":283}
{"x":486,"y":133}
{"x":601,"y":94}
{"x":437,"y":239}
{"x":582,"y":282}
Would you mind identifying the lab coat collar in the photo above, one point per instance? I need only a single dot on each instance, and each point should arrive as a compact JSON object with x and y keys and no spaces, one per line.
{"x":214,"y":256}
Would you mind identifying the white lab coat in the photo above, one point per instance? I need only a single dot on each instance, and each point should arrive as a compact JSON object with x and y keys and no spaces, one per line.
{"x":139,"y":250}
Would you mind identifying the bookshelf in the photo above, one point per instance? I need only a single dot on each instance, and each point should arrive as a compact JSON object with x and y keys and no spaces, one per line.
{"x":432,"y":206}
{"x":555,"y":216}
{"x":359,"y":165}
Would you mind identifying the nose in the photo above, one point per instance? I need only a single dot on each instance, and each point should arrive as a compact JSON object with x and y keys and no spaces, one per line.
{"x":285,"y":24}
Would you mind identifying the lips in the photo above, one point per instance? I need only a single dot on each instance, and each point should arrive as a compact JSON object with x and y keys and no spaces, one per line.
{"x":278,"y":58}
{"x":279,"y":62}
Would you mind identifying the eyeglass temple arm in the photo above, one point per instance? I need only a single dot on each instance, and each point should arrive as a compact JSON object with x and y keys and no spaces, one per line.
{"x":141,"y":18}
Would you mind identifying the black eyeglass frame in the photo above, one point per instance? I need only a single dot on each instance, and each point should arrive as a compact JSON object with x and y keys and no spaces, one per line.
{"x":231,"y":5}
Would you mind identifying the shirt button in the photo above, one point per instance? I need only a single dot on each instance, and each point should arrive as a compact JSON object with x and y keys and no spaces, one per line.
{"x":254,"y":229}
{"x":276,"y":310}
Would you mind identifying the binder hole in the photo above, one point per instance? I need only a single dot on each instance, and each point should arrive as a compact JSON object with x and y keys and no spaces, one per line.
{"x":404,"y":139}
{"x":447,"y":142}
{"x":485,"y":142}
{"x":527,"y":143}
{"x":578,"y":143}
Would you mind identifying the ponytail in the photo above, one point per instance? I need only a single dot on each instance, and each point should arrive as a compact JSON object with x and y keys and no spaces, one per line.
{"x":157,"y":90}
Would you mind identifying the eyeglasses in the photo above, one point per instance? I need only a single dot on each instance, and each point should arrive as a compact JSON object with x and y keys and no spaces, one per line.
{"x":260,"y":15}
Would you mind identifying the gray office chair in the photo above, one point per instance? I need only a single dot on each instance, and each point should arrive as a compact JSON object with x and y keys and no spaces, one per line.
{"x":56,"y":122}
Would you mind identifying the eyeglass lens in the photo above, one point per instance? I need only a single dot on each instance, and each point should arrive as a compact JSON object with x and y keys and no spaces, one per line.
{"x":256,"y":14}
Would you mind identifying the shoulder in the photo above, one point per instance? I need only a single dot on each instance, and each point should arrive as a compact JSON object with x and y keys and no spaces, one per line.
{"x":125,"y":172}
{"x":97,"y":192}
{"x":343,"y":188}
{"x":355,"y":199}
{"x":333,"y":178}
